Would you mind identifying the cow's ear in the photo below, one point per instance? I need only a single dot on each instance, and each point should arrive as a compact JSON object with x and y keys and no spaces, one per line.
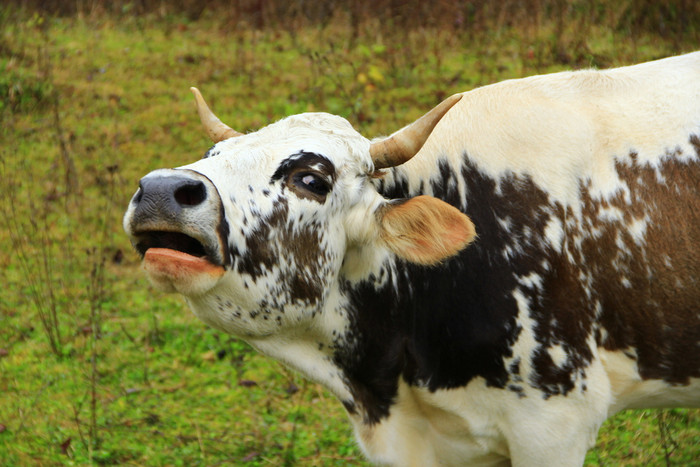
{"x":424,"y":230}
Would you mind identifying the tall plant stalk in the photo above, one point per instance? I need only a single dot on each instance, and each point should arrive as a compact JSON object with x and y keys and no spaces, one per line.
{"x":35,"y":259}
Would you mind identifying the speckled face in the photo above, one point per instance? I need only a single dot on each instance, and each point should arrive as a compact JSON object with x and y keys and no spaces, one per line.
{"x":280,"y":199}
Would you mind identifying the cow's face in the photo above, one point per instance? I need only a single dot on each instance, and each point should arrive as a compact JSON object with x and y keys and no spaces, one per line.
{"x":258,"y":233}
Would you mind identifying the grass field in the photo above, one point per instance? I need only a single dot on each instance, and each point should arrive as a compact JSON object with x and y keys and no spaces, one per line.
{"x":95,"y":366}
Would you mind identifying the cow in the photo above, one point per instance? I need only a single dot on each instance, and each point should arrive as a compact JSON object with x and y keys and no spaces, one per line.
{"x":483,"y":287}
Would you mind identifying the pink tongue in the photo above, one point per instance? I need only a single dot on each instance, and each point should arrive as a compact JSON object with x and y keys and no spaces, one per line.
{"x":178,"y":265}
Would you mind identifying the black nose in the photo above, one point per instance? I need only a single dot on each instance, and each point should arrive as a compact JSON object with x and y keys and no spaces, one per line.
{"x":168,"y":195}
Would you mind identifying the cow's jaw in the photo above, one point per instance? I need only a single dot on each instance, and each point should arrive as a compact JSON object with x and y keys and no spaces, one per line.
{"x":304,"y":340}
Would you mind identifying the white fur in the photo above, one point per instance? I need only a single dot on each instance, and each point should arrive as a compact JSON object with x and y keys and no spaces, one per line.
{"x":566,"y":127}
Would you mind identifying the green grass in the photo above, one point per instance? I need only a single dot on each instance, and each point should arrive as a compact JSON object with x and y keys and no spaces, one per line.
{"x":129,"y":377}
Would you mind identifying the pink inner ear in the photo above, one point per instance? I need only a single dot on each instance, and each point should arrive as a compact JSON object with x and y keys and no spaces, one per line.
{"x":425,"y":230}
{"x":459,"y":233}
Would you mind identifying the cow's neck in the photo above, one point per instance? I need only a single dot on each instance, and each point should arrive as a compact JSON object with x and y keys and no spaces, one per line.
{"x":413,"y":329}
{"x":310,"y":347}
{"x":407,"y":323}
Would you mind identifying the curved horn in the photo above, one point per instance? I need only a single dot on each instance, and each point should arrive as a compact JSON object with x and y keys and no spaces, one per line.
{"x":216,"y":130}
{"x":405,"y":143}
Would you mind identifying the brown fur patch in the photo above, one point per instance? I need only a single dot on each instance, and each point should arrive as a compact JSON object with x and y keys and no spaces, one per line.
{"x":657,"y":314}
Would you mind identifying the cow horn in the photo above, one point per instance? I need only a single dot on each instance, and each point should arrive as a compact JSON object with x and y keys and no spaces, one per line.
{"x":405,"y":143}
{"x":216,"y":129}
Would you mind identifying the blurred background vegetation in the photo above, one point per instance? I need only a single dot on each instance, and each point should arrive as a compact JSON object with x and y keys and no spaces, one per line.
{"x":669,"y":19}
{"x":96,"y":367}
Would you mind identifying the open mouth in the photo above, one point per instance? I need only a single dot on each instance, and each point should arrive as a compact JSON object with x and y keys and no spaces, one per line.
{"x":174,"y":261}
{"x":176,"y":241}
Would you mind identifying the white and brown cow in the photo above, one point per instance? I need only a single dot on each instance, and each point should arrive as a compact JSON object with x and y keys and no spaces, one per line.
{"x":485,"y":286}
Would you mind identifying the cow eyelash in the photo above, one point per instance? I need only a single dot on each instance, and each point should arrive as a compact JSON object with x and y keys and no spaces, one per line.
{"x":312,"y":182}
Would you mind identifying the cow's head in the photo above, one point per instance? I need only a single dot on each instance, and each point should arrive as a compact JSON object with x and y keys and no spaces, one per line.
{"x":260,"y":232}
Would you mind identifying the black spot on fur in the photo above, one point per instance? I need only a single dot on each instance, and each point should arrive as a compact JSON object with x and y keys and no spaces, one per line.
{"x":211,"y":153}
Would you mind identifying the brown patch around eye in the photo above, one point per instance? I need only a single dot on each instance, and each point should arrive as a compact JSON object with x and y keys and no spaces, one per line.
{"x":309,"y":185}
{"x":308,"y":175}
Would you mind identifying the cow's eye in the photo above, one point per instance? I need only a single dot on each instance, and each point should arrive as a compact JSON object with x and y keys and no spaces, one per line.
{"x":312,"y":182}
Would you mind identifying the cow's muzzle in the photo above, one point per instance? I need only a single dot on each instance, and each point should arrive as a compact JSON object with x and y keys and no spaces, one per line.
{"x":175,"y":221}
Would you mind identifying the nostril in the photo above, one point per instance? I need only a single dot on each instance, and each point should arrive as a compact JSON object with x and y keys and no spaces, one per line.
{"x":138,"y":195}
{"x":191,"y":194}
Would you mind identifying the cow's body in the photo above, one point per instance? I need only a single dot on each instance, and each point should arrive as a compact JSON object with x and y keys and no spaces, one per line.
{"x":580,"y":296}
